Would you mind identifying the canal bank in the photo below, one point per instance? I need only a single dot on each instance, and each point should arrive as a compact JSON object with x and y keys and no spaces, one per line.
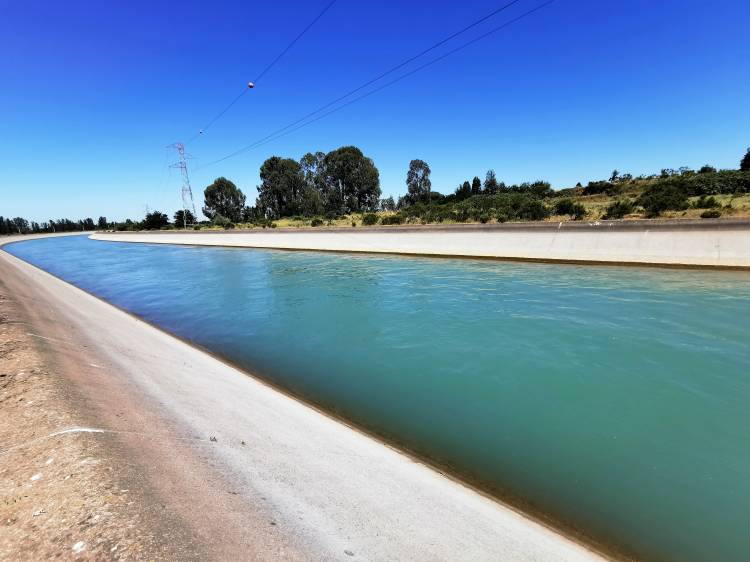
{"x":251,"y":470}
{"x":676,"y":243}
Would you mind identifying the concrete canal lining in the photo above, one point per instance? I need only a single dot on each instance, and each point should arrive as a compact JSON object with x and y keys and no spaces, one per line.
{"x":706,"y":243}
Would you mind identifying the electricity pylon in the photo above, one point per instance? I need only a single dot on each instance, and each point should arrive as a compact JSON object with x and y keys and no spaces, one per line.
{"x":187,"y":192}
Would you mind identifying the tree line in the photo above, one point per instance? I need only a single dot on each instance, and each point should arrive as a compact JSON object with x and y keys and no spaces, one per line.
{"x":20,"y":225}
{"x":336,"y":183}
{"x":345,"y":181}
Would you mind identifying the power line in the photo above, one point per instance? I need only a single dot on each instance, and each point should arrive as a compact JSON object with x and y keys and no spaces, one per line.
{"x":302,"y":122}
{"x":218,"y":115}
{"x":251,"y":85}
{"x":378,"y":77}
{"x":301,"y":33}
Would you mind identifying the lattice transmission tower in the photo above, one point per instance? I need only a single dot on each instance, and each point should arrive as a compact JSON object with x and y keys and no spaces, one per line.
{"x":187,"y":192}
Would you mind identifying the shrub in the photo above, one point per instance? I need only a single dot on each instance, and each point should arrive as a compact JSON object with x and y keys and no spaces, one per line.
{"x":484,"y":218}
{"x":220,"y":220}
{"x":569,"y":207}
{"x":316,"y":222}
{"x":460,"y":215}
{"x":564,"y":207}
{"x":579,"y":212}
{"x":597,"y":187}
{"x":711,"y":214}
{"x":664,"y":196}
{"x":368,"y":219}
{"x":704,"y":202}
{"x":392,"y":219}
{"x":533,"y":211}
{"x":710,"y":183}
{"x":619,"y":209}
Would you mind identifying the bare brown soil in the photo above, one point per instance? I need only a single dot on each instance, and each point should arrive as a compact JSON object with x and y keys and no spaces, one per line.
{"x":69,"y":496}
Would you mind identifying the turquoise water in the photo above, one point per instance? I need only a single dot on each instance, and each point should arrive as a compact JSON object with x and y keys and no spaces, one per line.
{"x":617,"y":400}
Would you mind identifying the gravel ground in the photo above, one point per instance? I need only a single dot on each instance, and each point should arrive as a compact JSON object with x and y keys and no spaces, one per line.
{"x":65,"y":494}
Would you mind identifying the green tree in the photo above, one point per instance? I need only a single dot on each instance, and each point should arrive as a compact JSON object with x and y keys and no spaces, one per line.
{"x":388,"y":204}
{"x":418,"y":181}
{"x":352,"y":182}
{"x":476,"y":186}
{"x":312,"y":165}
{"x":20,"y":225}
{"x":155,"y":220}
{"x":183,"y":218}
{"x":491,"y":187}
{"x":251,"y":214}
{"x":280,"y":193}
{"x":312,"y":203}
{"x":745,"y":163}
{"x":223,"y":198}
{"x":313,"y":169}
{"x":707,"y":170}
{"x":102,"y":223}
{"x":463,"y":191}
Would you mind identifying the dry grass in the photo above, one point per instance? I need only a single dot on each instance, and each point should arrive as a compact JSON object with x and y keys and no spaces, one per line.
{"x":731,"y":206}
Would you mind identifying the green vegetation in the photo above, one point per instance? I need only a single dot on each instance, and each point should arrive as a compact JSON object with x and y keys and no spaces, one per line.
{"x":704,"y":202}
{"x":342,"y":189}
{"x":418,"y":182}
{"x":19,"y":225}
{"x":183,"y":218}
{"x":619,"y":209}
{"x":569,"y":207}
{"x":155,"y":221}
{"x":341,"y":182}
{"x":223,"y":198}
{"x":745,"y":162}
{"x":663,"y":197}
{"x":392,"y":219}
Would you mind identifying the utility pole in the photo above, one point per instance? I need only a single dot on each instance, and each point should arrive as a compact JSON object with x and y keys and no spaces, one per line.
{"x":187,"y":192}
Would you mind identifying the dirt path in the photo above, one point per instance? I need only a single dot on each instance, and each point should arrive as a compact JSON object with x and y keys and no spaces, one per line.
{"x":67,"y":493}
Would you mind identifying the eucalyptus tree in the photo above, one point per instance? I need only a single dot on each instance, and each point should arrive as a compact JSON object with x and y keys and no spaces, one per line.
{"x":351,"y":181}
{"x":282,"y":187}
{"x":418,"y":181}
{"x":223,"y":198}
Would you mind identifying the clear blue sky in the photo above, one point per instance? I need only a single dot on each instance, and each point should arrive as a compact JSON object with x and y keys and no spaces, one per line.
{"x":92,"y":92}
